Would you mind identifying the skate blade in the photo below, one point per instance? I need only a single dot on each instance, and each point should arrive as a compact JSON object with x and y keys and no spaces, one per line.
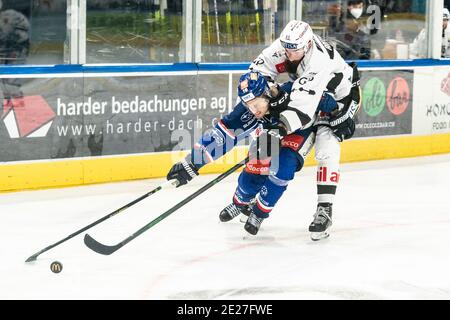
{"x":316,"y":236}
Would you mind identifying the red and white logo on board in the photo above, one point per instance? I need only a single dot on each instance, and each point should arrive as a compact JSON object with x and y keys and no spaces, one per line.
{"x":27,"y":117}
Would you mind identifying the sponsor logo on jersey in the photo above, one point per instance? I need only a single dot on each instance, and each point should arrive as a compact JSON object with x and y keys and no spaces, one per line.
{"x":258,"y":166}
{"x":27,"y":117}
{"x":281,"y":67}
{"x":292,"y":141}
{"x":398,"y":96}
{"x":247,"y":116}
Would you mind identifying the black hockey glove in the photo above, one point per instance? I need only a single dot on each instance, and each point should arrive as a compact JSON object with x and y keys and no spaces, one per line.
{"x":342,"y":125}
{"x":277,"y":131}
{"x":274,"y":127}
{"x":183,"y":171}
{"x":279,"y":103}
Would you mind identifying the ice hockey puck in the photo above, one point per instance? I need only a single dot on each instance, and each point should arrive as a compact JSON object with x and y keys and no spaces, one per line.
{"x":56,"y":267}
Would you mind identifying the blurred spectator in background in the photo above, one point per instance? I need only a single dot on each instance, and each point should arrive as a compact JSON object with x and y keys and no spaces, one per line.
{"x":418,"y":49}
{"x":14,"y":36}
{"x":350,"y":34}
{"x":14,"y":47}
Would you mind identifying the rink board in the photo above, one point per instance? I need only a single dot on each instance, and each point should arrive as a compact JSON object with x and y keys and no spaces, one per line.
{"x":86,"y":171}
{"x":405,"y":113}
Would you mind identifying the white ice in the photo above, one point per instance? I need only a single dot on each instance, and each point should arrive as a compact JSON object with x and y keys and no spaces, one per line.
{"x":390,"y":240}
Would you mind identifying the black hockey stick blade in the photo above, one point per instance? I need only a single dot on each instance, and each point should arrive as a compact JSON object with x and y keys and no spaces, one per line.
{"x":98,"y":247}
{"x":166,"y":184}
{"x":32,"y":258}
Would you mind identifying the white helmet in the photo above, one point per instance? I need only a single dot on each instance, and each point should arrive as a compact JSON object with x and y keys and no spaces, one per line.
{"x":296,"y":35}
{"x":445,"y":14}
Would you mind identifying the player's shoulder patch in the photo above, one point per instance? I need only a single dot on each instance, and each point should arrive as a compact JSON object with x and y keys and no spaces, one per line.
{"x":281,"y":67}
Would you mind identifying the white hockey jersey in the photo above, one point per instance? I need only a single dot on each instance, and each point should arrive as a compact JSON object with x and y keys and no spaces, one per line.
{"x":419,"y":48}
{"x":322,"y":69}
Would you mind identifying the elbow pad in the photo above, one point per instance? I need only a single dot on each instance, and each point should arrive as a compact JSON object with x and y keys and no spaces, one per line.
{"x":294,"y":119}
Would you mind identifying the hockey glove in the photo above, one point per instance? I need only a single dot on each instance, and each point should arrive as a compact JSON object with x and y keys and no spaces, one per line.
{"x":342,"y":125}
{"x":277,"y":131}
{"x":183,"y":171}
{"x":274,"y":127}
{"x":278,"y":104}
{"x":327,"y":103}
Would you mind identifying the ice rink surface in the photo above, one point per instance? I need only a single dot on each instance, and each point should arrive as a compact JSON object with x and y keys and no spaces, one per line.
{"x":390,"y":240}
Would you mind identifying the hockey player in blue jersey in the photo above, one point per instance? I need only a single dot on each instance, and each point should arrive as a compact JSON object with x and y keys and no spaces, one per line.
{"x":260,"y":185}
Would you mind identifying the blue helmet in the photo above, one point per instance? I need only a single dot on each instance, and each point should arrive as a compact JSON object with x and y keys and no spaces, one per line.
{"x":251,"y":85}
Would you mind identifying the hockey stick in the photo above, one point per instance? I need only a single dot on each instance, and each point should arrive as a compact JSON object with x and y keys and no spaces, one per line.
{"x":98,"y":247}
{"x":168,"y":183}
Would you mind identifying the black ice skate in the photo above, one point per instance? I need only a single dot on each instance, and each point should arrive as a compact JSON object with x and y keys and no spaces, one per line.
{"x":233,"y":210}
{"x":322,"y":222}
{"x":253,"y":224}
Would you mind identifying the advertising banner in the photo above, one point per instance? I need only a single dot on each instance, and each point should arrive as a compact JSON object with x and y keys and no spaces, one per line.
{"x":432,"y":106}
{"x":387,"y":103}
{"x":81,"y":117}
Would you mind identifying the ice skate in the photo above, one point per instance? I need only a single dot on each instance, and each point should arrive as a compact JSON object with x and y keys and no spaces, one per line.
{"x":233,"y":210}
{"x":319,"y":228}
{"x":253,"y":224}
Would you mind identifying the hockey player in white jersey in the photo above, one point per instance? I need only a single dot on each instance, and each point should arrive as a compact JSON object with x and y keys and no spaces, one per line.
{"x":419,"y":47}
{"x":320,"y":72}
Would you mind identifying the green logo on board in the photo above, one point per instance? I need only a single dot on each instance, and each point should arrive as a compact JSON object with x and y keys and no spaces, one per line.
{"x":374,"y":97}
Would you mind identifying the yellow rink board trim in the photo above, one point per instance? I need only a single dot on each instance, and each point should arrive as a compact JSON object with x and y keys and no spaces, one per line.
{"x":36,"y":175}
